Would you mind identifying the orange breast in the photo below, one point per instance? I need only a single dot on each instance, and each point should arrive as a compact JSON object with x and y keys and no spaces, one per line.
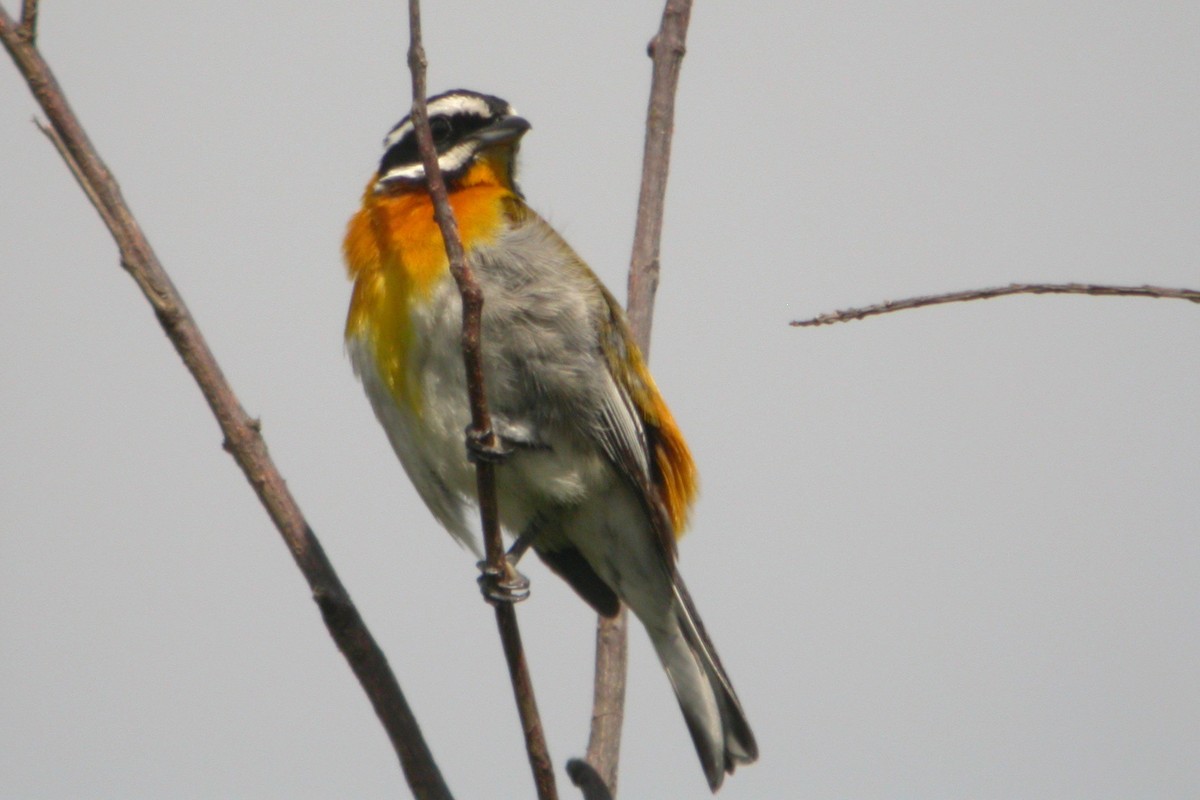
{"x":394,"y":254}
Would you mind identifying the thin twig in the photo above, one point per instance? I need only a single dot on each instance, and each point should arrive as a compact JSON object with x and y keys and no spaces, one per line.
{"x":596,"y":775}
{"x":998,"y":291}
{"x":481,"y":432}
{"x":666,"y":50}
{"x":29,"y":16}
{"x":242,"y":437}
{"x":73,"y":166}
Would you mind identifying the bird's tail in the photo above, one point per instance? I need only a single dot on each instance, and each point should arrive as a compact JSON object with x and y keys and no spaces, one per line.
{"x":710,"y":706}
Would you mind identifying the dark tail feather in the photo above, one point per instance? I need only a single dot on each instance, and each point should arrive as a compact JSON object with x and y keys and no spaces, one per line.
{"x":710,"y":706}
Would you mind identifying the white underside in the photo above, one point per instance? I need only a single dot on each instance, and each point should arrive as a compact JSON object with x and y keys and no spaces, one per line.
{"x":430,"y":443}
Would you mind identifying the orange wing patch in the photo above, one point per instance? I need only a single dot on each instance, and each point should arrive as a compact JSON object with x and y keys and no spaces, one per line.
{"x":672,"y":470}
{"x":677,"y":478}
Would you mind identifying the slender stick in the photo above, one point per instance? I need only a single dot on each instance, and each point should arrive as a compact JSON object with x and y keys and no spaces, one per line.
{"x":28,"y":27}
{"x":481,"y":426}
{"x":596,"y":774}
{"x":242,"y":437}
{"x":997,"y":291}
{"x":666,"y":50}
{"x":597,"y":778}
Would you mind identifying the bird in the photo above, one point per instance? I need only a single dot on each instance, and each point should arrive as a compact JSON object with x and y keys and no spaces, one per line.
{"x":592,"y":470}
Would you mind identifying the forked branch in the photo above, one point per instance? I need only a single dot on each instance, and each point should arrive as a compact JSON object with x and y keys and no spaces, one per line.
{"x":27,"y":29}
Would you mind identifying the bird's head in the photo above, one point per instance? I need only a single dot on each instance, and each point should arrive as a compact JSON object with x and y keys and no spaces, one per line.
{"x":469,"y":130}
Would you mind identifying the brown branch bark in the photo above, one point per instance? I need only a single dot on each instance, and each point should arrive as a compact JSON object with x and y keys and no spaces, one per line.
{"x":28,"y":27}
{"x":596,"y":776}
{"x":666,"y":50}
{"x":481,"y":426}
{"x":997,"y":291}
{"x":242,"y":437}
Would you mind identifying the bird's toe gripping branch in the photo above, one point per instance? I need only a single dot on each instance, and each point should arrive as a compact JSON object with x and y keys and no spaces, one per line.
{"x":503,"y":585}
{"x":485,"y":446}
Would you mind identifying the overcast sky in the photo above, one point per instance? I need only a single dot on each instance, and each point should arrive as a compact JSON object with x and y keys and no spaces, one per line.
{"x":947,"y":553}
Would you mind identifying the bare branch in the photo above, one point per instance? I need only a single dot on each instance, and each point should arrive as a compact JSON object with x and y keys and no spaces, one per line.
{"x":481,"y":426}
{"x":242,"y":437}
{"x":666,"y":51}
{"x":29,"y":13}
{"x":596,"y":776}
{"x":997,"y":291}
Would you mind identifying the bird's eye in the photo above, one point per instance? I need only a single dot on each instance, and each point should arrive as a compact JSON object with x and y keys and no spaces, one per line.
{"x":441,"y":129}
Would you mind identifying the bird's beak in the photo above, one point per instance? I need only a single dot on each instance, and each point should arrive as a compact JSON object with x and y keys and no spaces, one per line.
{"x":507,"y":129}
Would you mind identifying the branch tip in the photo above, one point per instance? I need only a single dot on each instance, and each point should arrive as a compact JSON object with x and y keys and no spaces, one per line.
{"x":850,"y":314}
{"x":28,"y":27}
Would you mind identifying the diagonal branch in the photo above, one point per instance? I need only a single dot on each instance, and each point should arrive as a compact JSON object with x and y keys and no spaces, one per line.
{"x":481,"y":426}
{"x":997,"y":291}
{"x":596,"y":776}
{"x":242,"y":437}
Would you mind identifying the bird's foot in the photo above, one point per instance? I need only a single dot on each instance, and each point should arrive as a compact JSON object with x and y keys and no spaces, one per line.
{"x":484,"y":446}
{"x":503,"y":585}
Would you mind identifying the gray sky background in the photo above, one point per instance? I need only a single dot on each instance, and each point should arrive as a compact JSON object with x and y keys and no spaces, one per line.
{"x":949,"y":553}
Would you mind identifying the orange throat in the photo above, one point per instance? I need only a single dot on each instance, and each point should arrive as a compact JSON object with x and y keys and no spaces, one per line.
{"x":395,"y":256}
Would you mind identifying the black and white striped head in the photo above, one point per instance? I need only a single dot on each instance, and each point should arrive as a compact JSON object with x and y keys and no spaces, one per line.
{"x":463,"y":124}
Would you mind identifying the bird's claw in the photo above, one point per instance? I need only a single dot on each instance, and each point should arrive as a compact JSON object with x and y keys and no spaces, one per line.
{"x":486,"y":447}
{"x":505,"y":585}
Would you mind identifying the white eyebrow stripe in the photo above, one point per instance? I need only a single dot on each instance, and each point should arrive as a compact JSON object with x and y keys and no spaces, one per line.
{"x":460,"y":104}
{"x":448,"y":106}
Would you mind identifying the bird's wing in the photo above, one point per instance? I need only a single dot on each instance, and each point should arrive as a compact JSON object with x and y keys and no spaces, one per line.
{"x":639,"y":434}
{"x":622,"y":433}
